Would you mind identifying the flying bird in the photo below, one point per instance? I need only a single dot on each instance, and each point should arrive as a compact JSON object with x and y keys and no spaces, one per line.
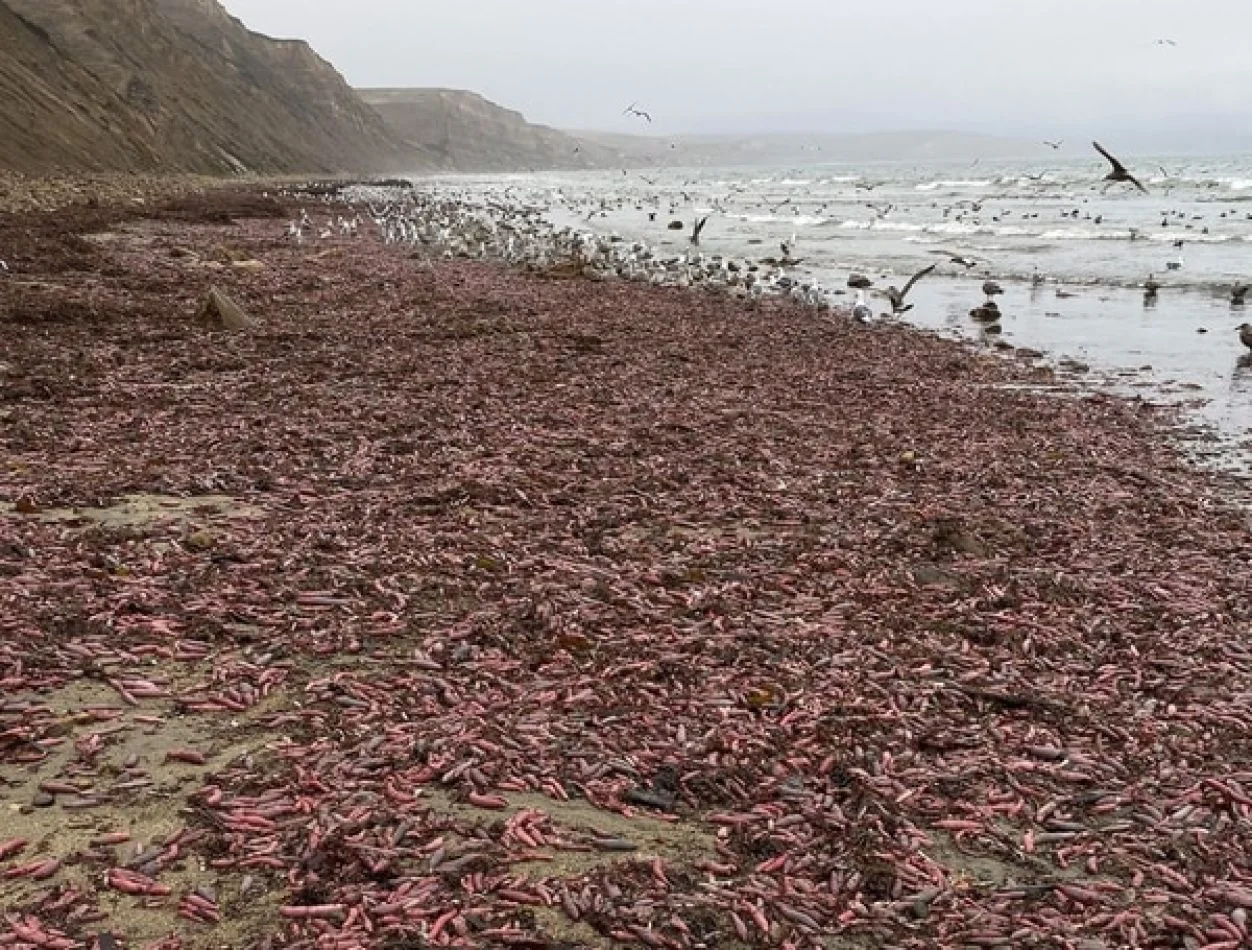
{"x":897,"y":296}
{"x":697,"y":228}
{"x":1118,"y":171}
{"x":1166,"y":43}
{"x":632,"y":110}
{"x":1054,"y":145}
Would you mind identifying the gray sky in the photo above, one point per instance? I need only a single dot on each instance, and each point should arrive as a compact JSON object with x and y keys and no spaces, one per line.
{"x":1056,"y":67}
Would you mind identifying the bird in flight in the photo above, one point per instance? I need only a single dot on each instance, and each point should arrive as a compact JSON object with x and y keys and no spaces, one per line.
{"x":1166,"y":43}
{"x":632,"y":110}
{"x":897,"y":296}
{"x":1118,"y":171}
{"x":697,"y":228}
{"x":1054,"y":145}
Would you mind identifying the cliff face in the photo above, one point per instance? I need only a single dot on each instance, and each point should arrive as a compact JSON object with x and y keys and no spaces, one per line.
{"x":174,"y":85}
{"x":462,"y":131}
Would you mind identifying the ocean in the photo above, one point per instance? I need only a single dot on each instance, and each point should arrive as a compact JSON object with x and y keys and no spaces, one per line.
{"x":1071,"y":252}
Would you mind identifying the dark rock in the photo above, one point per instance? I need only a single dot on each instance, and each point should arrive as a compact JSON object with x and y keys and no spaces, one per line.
{"x":222,"y":313}
{"x":43,"y":800}
{"x":649,"y":798}
{"x":931,"y":575}
{"x":951,"y":536}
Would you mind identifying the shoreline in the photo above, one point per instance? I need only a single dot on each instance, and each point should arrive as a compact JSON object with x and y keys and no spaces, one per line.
{"x":487,"y":566}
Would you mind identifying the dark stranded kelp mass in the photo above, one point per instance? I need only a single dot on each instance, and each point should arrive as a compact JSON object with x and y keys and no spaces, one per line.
{"x":451,"y":605}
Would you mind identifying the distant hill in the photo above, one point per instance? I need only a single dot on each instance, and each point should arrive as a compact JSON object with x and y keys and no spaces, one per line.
{"x":797,"y":148}
{"x":175,"y":86}
{"x":457,"y":130}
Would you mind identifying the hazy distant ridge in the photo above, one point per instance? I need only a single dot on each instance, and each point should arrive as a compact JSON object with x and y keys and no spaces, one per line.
{"x":797,"y":148}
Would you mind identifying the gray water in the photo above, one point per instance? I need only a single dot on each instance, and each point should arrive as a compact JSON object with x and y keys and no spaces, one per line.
{"x":1090,"y":244}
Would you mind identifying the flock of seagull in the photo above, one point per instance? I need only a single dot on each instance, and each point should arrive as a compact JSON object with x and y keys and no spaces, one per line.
{"x":468,"y":226}
{"x":520,"y":231}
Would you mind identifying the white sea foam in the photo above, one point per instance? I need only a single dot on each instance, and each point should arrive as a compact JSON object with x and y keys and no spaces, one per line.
{"x":956,"y":183}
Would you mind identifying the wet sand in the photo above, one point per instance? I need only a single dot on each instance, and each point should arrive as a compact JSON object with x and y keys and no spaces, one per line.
{"x":374,"y":624}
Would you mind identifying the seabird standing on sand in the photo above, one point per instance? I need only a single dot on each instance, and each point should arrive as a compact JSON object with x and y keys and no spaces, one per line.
{"x":897,"y":296}
{"x":861,"y":311}
{"x":859,"y":282}
{"x":1245,"y":334}
{"x":1238,"y":294}
{"x":991,"y":288}
{"x":1118,"y":172}
{"x":631,"y":110}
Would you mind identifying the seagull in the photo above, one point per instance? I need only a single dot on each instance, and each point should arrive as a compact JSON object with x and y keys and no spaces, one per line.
{"x":966,"y":262}
{"x":897,"y":296}
{"x":986,"y":313}
{"x":1166,"y":43}
{"x":1118,"y":172}
{"x":1238,"y":294}
{"x":1245,"y":334}
{"x":859,"y":281}
{"x":631,"y":110}
{"x":991,"y":288}
{"x":697,"y":228}
{"x":1054,"y":145}
{"x":1176,"y":263}
{"x":861,"y":311}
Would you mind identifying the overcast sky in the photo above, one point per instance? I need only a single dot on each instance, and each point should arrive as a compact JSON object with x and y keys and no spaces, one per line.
{"x":1048,"y":67}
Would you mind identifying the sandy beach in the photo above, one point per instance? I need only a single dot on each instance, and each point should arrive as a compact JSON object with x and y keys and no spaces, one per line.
{"x":453,"y":606}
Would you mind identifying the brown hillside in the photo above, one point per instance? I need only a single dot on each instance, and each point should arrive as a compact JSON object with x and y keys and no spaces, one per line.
{"x":175,"y":85}
{"x":459,"y":130}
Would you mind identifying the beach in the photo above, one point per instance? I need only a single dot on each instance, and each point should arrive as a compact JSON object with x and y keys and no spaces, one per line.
{"x":448,"y":604}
